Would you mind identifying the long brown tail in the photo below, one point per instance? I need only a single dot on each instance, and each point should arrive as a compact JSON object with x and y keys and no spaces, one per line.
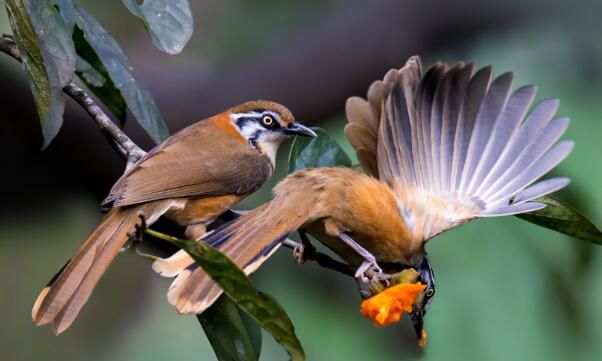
{"x":67,"y":292}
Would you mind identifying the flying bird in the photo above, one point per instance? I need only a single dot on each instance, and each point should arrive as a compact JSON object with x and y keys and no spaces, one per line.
{"x":439,"y":148}
{"x":192,"y":177}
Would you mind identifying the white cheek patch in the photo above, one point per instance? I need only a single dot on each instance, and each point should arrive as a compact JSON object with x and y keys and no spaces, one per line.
{"x":270,"y":137}
{"x":266,"y":140}
{"x":251,"y":130}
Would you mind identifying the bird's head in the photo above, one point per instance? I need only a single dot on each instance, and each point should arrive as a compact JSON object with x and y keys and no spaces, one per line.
{"x":266,"y":124}
{"x":427,"y":277}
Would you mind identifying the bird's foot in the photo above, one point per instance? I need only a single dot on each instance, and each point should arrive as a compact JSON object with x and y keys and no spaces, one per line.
{"x":303,"y":252}
{"x":135,"y":237}
{"x":299,"y":254}
{"x":138,"y":234}
{"x":368,"y":271}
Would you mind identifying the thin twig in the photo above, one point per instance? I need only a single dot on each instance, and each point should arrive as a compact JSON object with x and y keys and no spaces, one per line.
{"x":123,"y":144}
{"x":322,"y":259}
{"x":128,"y":149}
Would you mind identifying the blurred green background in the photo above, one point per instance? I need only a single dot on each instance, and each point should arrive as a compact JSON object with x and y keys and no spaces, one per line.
{"x":507,"y":290}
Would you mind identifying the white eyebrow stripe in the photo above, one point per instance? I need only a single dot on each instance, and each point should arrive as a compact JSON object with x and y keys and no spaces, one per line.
{"x":246,"y":115}
{"x":276,"y":116}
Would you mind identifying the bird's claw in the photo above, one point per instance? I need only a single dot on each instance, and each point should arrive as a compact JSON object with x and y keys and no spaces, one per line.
{"x":140,"y":227}
{"x":135,"y":236}
{"x":368,"y":271}
{"x":299,"y":254}
{"x":303,"y":252}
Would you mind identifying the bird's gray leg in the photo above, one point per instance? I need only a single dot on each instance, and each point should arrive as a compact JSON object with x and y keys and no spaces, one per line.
{"x":369,"y":266}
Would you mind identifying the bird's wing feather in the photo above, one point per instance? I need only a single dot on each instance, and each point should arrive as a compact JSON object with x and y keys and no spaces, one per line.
{"x":458,"y":137}
{"x":248,"y":241}
{"x":181,"y":167}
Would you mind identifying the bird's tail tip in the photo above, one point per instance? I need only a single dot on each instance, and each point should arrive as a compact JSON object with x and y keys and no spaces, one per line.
{"x":36,"y":306}
{"x":173,"y":265}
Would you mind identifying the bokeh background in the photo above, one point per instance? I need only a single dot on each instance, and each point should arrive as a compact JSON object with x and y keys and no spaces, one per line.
{"x":507,"y":290}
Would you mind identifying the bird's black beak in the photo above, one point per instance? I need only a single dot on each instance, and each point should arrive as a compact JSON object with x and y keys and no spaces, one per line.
{"x":299,"y":129}
{"x":418,"y":322}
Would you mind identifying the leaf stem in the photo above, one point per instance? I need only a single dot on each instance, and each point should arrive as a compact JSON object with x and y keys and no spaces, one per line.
{"x":124,"y":146}
{"x":165,"y":237}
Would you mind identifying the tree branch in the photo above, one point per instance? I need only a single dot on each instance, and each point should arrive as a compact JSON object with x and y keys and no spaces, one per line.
{"x":122,"y":143}
{"x":125,"y":146}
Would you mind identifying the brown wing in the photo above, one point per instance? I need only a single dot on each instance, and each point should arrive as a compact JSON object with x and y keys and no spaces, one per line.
{"x":366,"y":115}
{"x":208,"y":158}
{"x":252,"y":238}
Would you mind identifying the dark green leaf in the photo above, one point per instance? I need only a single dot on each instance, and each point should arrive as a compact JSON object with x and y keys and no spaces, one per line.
{"x":44,"y":41}
{"x":231,"y":338}
{"x":169,"y":22}
{"x":90,"y":70}
{"x":253,"y":330}
{"x":137,"y":98}
{"x":561,"y":218}
{"x":260,"y":306}
{"x":320,"y":151}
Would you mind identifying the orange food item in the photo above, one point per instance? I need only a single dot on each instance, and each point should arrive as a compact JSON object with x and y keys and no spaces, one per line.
{"x":389,"y":305}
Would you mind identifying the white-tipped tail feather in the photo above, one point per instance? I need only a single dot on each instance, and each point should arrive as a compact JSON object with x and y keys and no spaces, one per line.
{"x":192,"y":290}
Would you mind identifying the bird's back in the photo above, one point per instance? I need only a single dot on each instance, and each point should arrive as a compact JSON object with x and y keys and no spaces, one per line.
{"x":357,"y":203}
{"x":209,"y":158}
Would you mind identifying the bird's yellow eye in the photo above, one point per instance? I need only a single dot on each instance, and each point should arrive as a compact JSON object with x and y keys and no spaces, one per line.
{"x":430,"y":292}
{"x":267,"y":120}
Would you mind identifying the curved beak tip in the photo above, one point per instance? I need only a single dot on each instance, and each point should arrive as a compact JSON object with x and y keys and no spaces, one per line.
{"x":418,"y":322}
{"x":300,"y":129}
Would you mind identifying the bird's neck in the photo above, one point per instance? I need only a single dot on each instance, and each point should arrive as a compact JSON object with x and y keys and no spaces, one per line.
{"x":376,"y":215}
{"x":269,"y":149}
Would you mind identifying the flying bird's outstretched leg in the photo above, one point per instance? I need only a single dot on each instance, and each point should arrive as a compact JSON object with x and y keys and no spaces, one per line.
{"x":369,"y":267}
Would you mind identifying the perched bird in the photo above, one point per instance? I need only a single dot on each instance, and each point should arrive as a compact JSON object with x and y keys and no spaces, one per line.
{"x":191,"y":177}
{"x":438,"y":149}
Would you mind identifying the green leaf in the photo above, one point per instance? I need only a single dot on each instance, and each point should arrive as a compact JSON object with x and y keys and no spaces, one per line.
{"x":261,"y":307}
{"x":137,"y":98}
{"x":90,"y":70}
{"x":253,"y":330}
{"x":231,"y":337}
{"x":44,"y":41}
{"x":169,"y":22}
{"x":320,"y":151}
{"x":561,"y":218}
